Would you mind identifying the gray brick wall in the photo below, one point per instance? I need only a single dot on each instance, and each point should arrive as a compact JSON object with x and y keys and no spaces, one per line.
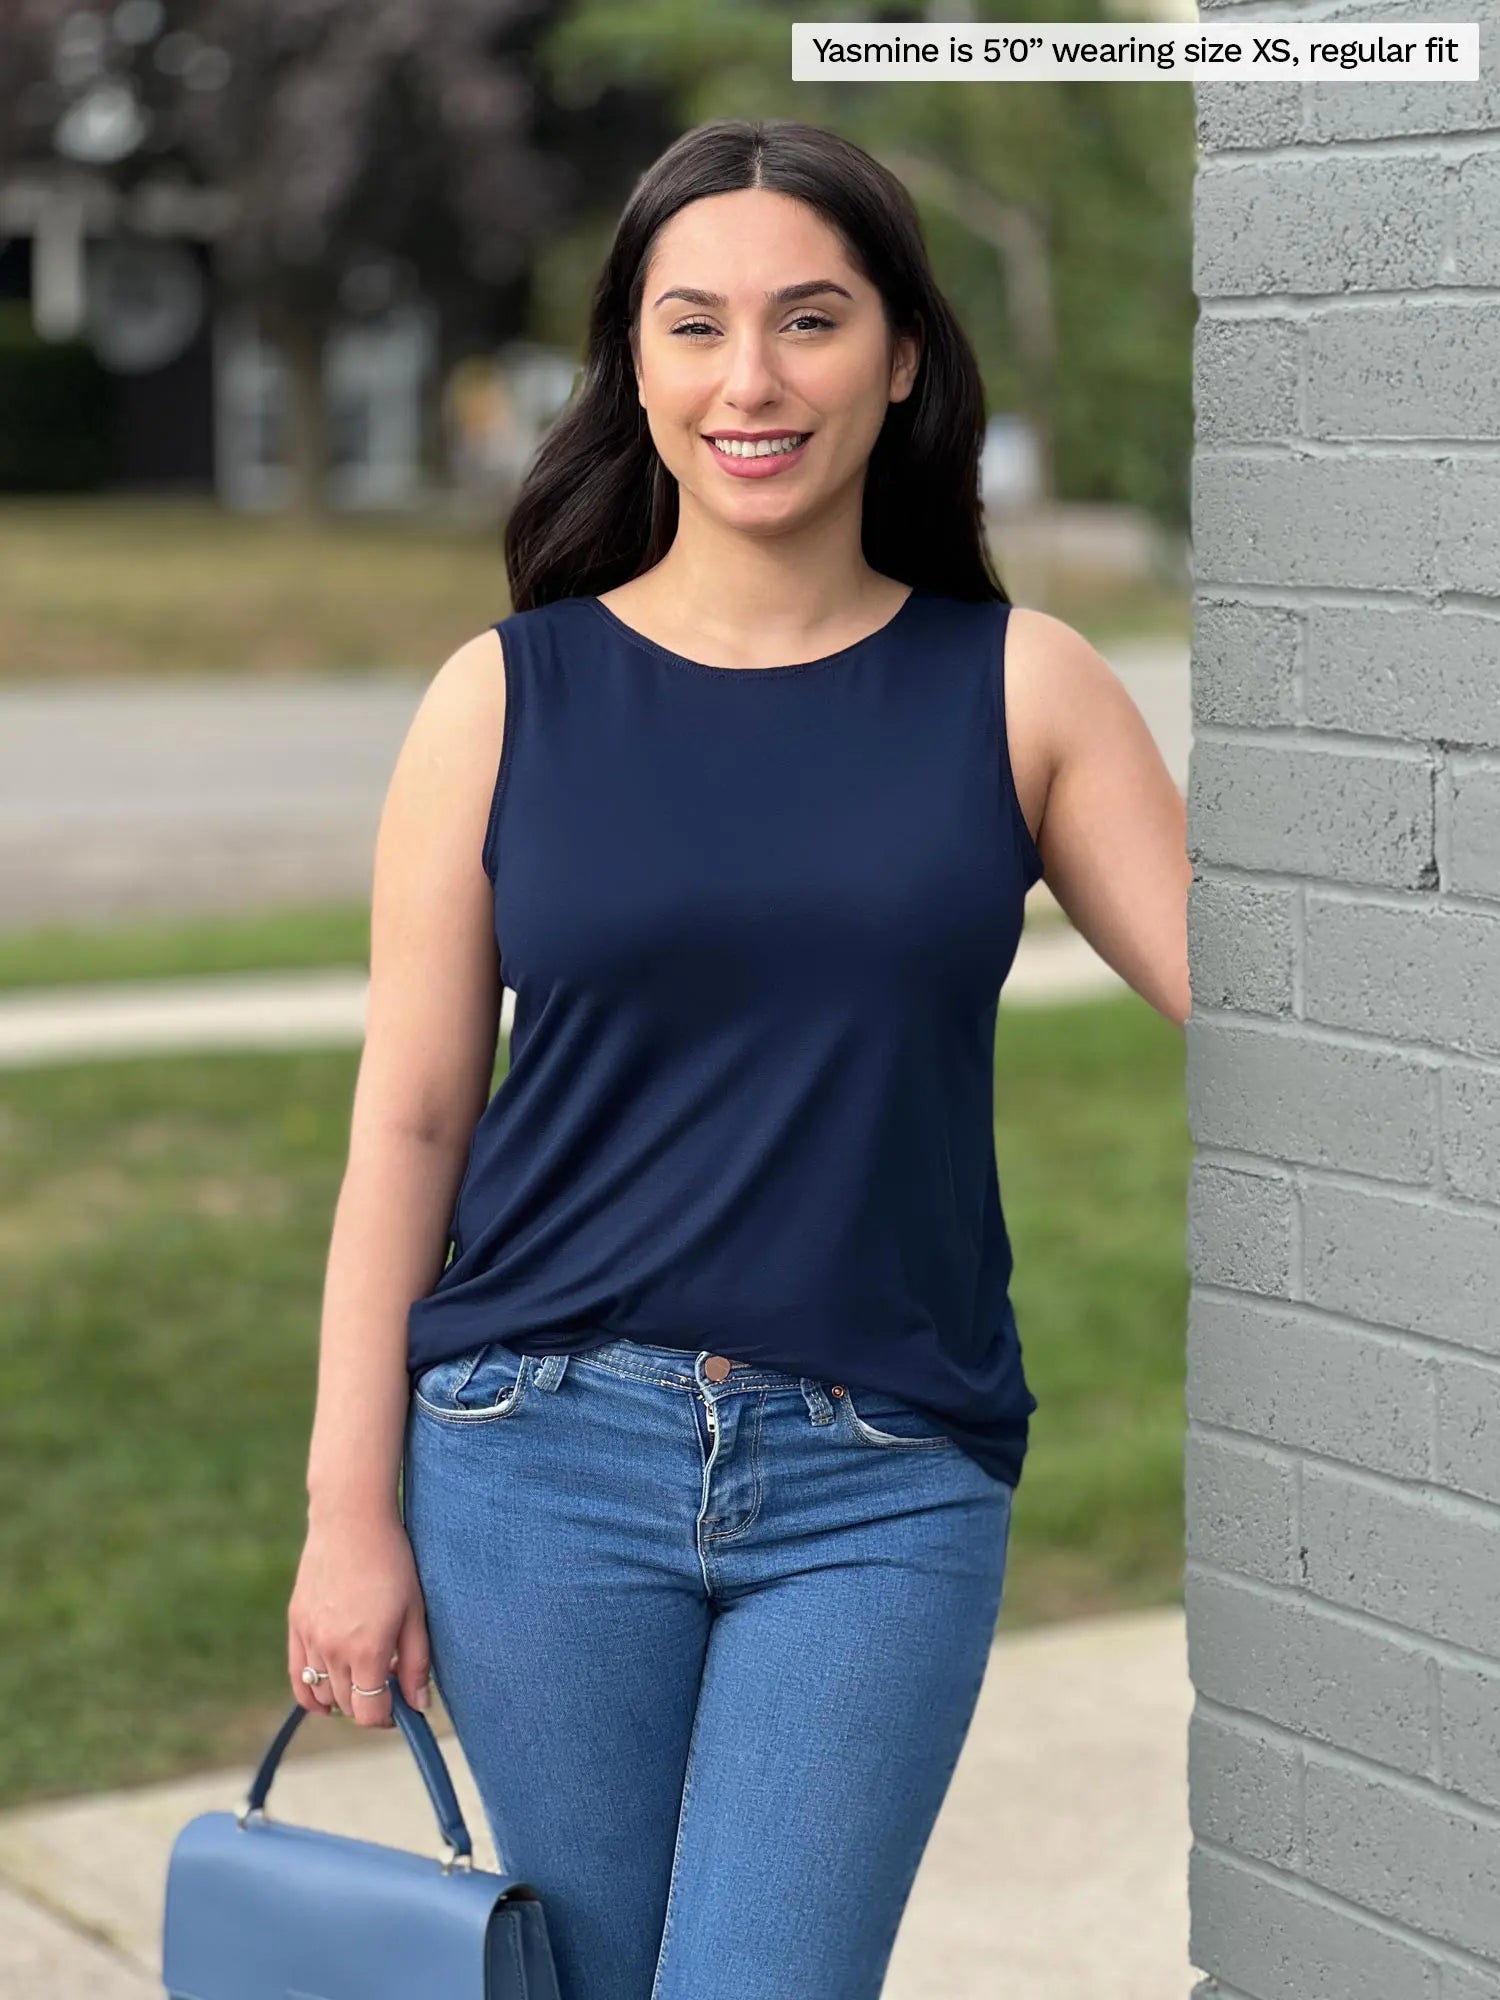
{"x":1343,"y":1454}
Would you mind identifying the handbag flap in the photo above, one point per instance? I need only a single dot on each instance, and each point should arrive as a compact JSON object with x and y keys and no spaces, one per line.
{"x":272,"y":1909}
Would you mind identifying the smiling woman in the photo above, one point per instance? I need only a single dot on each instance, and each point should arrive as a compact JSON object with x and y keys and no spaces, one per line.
{"x":837,"y":370}
{"x":717,"y":1406}
{"x":758,"y":288}
{"x":742,"y":446}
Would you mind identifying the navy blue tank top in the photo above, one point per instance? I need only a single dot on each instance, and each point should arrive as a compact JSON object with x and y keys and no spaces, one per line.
{"x":756,"y":921}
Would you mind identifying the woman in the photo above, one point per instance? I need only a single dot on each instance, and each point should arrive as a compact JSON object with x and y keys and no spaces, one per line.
{"x":717,"y":1411}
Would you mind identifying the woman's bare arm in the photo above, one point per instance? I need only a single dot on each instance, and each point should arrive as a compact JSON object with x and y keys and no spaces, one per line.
{"x":424,"y":1077}
{"x":1113,"y":834}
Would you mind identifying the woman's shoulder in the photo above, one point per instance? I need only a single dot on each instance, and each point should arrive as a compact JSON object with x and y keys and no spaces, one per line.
{"x":1051,"y":660}
{"x":1059,"y":686}
{"x":462,"y":707}
{"x":540,"y":616}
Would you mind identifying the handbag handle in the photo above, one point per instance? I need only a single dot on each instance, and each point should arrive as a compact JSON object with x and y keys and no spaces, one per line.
{"x":424,"y":1747}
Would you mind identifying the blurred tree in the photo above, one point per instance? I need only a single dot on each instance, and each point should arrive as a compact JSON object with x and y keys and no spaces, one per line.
{"x":373,"y":150}
{"x":1059,"y":214}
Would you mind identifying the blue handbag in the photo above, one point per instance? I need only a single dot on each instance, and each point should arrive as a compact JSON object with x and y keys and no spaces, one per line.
{"x":258,"y":1910}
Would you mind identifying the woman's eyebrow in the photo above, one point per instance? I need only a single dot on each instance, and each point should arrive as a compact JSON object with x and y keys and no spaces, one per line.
{"x":785,"y":296}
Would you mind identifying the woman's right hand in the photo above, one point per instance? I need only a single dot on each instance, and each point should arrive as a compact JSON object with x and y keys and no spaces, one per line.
{"x":357,"y":1612}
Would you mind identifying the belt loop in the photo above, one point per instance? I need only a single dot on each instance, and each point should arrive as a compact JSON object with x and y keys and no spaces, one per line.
{"x":550,"y":1370}
{"x":819,"y":1405}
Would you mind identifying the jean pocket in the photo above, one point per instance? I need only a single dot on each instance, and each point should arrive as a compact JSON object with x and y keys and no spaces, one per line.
{"x":480,"y":1385}
{"x":876,"y":1417}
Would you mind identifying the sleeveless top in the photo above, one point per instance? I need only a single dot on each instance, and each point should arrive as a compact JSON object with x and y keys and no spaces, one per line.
{"x":756,"y":922}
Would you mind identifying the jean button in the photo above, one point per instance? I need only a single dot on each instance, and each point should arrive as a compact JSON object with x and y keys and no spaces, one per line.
{"x":717,"y":1367}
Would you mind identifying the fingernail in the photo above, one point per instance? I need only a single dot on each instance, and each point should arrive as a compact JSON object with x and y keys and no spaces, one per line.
{"x":421,"y":1700}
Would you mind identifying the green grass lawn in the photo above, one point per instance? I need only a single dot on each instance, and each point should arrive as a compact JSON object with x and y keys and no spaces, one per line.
{"x":163,"y":1229}
{"x":281,"y":940}
{"x":133,"y":586}
{"x":105,"y":587}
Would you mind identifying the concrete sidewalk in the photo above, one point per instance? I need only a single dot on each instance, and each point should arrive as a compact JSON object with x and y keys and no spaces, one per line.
{"x":1057,"y":1870}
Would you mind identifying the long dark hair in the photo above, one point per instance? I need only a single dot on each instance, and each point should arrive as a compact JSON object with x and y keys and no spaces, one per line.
{"x":598,"y":508}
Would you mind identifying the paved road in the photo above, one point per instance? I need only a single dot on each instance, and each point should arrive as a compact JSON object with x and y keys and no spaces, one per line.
{"x":169,"y":798}
{"x":173,"y":798}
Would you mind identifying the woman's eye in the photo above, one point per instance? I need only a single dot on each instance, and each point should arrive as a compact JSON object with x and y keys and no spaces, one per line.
{"x":691,"y":328}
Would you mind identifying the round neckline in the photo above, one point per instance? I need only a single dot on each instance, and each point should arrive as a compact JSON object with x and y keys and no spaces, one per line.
{"x":754,"y":673}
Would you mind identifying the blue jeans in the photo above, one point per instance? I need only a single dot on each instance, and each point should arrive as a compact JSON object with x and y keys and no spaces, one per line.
{"x":711,"y":1648}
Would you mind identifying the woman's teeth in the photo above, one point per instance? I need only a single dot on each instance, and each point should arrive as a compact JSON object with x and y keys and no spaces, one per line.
{"x":741,"y":448}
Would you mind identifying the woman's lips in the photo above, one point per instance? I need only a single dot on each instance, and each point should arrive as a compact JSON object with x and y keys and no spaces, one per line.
{"x":764,"y":465}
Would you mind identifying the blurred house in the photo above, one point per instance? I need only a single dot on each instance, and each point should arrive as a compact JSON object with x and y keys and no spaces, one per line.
{"x":129,"y":299}
{"x":497,"y":408}
{"x":196,"y":398}
{"x":1010,"y":476}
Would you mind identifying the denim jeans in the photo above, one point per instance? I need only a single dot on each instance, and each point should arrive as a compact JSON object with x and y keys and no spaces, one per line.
{"x":711,"y":1648}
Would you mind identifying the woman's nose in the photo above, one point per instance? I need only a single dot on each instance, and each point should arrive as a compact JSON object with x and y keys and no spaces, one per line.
{"x":749,"y":376}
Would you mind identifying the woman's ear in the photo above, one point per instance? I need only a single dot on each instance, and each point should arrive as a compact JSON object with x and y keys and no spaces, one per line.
{"x":908,"y":359}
